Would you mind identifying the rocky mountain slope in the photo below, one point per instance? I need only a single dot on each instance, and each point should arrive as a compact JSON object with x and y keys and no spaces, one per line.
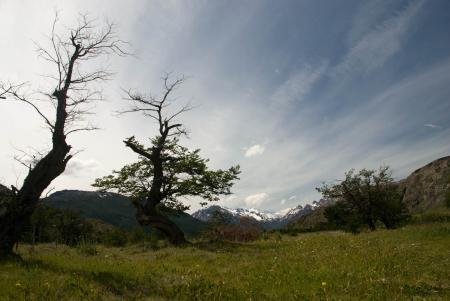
{"x":428,"y":187}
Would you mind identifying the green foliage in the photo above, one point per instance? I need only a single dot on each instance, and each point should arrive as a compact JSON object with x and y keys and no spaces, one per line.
{"x":57,"y":225}
{"x":87,"y":247}
{"x":342,"y":216}
{"x":364,"y":198}
{"x":115,"y":238}
{"x":153,"y":241}
{"x":404,"y":264}
{"x":138,"y":234}
{"x":185,"y":174}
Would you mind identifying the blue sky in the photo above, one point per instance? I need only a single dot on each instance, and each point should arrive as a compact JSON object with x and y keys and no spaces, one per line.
{"x":296,"y":92}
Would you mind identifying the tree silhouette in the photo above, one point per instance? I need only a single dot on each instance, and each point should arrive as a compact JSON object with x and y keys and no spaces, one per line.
{"x":70,"y":98}
{"x":166,"y":171}
{"x":363,"y":198}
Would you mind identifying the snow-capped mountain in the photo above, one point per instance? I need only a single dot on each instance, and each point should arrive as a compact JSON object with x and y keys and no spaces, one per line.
{"x":268,"y":220}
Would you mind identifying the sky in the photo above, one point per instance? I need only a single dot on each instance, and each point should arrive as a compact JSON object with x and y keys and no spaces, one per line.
{"x":295,"y":92}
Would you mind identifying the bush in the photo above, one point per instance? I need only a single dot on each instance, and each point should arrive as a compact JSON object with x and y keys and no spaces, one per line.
{"x":87,"y":247}
{"x":137,"y":235}
{"x":114,"y":238}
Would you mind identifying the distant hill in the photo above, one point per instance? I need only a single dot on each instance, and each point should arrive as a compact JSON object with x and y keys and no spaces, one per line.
{"x":113,"y":208}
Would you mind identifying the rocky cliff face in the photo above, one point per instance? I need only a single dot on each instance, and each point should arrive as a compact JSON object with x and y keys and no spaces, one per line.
{"x":428,"y":187}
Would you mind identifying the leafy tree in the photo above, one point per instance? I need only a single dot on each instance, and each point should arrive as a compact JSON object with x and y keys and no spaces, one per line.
{"x":342,"y":216}
{"x":69,"y":99}
{"x":166,"y":172}
{"x":72,"y":227}
{"x":365,"y":197}
{"x":65,"y":226}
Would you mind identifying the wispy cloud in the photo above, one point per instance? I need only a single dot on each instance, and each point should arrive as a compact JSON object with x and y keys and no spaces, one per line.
{"x":368,"y":16}
{"x":297,"y":86}
{"x":376,"y":47}
{"x":256,"y":74}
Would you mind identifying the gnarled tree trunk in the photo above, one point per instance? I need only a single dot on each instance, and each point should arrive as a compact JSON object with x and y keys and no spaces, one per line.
{"x":148,"y":214}
{"x":18,"y":206}
{"x":151,"y":217}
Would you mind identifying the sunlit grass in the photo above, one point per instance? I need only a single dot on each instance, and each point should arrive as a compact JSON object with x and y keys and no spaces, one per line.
{"x":412,"y":263}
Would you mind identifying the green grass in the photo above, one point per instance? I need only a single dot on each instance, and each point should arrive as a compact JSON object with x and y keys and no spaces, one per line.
{"x":412,"y":263}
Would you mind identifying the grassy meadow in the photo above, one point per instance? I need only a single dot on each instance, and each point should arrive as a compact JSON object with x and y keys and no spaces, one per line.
{"x":412,"y":263}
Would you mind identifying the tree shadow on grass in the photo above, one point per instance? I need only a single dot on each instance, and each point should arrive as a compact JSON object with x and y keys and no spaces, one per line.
{"x":114,"y":282}
{"x":131,"y":288}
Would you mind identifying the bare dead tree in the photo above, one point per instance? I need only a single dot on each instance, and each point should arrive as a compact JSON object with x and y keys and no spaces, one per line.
{"x":71,"y":98}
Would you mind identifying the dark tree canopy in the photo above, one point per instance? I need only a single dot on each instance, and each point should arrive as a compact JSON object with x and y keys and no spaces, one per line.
{"x":364,"y":198}
{"x":69,"y":98}
{"x":185,"y":174}
{"x":166,"y":171}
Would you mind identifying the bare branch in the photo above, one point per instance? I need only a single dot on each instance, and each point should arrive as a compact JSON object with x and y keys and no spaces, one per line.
{"x":156,"y":108}
{"x":14,"y":92}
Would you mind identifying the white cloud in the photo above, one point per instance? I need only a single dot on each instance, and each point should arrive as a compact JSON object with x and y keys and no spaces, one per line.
{"x":283,"y":201}
{"x":254,"y":150}
{"x":380,"y":44}
{"x":297,"y":86}
{"x":256,"y":200}
{"x":77,"y":167}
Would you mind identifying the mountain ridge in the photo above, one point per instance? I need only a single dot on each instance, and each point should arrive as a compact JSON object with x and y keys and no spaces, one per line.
{"x":267,"y":219}
{"x":113,"y":208}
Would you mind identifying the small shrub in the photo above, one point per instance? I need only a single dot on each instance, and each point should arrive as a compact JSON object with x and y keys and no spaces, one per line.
{"x":87,"y":247}
{"x":137,"y":235}
{"x":153,"y":241}
{"x":114,"y":238}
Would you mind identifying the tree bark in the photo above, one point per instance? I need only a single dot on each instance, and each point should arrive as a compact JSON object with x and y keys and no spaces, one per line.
{"x":151,"y":217}
{"x":22,"y":205}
